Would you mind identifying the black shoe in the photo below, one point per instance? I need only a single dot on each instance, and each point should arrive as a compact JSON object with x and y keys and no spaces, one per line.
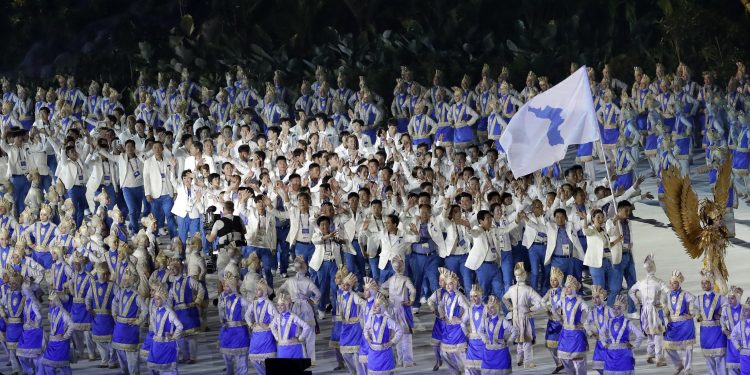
{"x":558,"y":369}
{"x":216,"y":302}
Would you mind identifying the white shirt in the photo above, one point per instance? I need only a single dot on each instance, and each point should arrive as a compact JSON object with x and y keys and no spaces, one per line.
{"x":133,"y":173}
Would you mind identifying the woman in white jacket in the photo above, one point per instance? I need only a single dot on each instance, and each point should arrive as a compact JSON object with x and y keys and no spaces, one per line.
{"x":602,"y":255}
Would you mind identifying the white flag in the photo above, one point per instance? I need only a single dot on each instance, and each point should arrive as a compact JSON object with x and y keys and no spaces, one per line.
{"x":541,"y":131}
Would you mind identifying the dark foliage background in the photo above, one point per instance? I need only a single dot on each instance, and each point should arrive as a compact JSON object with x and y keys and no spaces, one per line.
{"x":111,"y":40}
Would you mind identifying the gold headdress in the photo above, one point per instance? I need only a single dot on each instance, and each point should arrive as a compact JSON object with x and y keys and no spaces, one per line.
{"x":622,"y":301}
{"x":78,"y":258}
{"x":572,"y":282}
{"x":299,"y":260}
{"x":231,"y":280}
{"x":493,"y":301}
{"x":100,"y":269}
{"x":148,"y":221}
{"x":442,"y":273}
{"x":283,"y":299}
{"x":531,"y":76}
{"x":556,"y":274}
{"x":4,"y":203}
{"x":371,"y":284}
{"x":382,"y":300}
{"x":476,"y":290}
{"x":677,"y":276}
{"x":519,"y":271}
{"x":598,"y":291}
{"x":350,"y":279}
{"x":160,"y":291}
{"x":736,"y":291}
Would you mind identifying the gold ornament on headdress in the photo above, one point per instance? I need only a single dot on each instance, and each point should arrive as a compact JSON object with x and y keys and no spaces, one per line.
{"x":556,"y":274}
{"x":572,"y":282}
{"x":476,"y":290}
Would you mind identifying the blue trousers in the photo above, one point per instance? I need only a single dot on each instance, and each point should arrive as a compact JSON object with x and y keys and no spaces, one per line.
{"x":45,"y":182}
{"x":121,"y":204}
{"x":162,"y":207}
{"x":305,"y":250}
{"x":282,"y":247}
{"x":326,"y":282}
{"x":374,"y":270}
{"x":455,"y":263}
{"x":134,"y":199}
{"x":49,"y":370}
{"x":627,"y":270}
{"x":424,"y":268}
{"x":356,"y":263}
{"x":488,"y":277}
{"x":78,"y":195}
{"x":235,"y":364}
{"x":52,"y":164}
{"x":110,"y":192}
{"x":536,"y":257}
{"x":568,"y":266}
{"x":21,"y":187}
{"x":386,"y":272}
{"x":506,"y":270}
{"x":266,"y":258}
{"x":187,"y":227}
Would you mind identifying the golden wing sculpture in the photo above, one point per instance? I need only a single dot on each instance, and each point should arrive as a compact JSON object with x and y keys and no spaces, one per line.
{"x":682,"y":208}
{"x":723,"y":183}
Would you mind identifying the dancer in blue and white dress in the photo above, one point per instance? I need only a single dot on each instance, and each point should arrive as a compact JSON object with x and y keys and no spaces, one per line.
{"x":680,"y":335}
{"x":234,"y":337}
{"x":740,"y":336}
{"x":371,"y":288}
{"x":475,"y":350}
{"x":597,"y":321}
{"x":617,"y":333}
{"x":712,"y":338}
{"x":523,"y":301}
{"x":349,"y":314}
{"x":259,"y":317}
{"x":497,"y":333}
{"x":463,"y":117}
{"x":552,"y":302}
{"x":162,"y":357}
{"x":100,"y":301}
{"x":57,"y":351}
{"x":453,"y":343}
{"x":435,"y":302}
{"x":288,"y":329}
{"x":421,"y":126}
{"x":731,"y":315}
{"x":130,"y":311}
{"x":573,"y":344}
{"x":382,"y":333}
{"x":185,"y":295}
{"x":31,"y":345}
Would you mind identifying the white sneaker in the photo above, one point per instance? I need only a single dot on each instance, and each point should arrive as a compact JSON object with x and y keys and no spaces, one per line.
{"x":415,"y":310}
{"x":423,"y":300}
{"x":321,"y":315}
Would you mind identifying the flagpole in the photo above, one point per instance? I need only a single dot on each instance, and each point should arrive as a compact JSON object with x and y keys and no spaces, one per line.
{"x":609,"y":177}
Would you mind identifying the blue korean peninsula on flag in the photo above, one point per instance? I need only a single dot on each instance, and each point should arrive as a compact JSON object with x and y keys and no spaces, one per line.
{"x":541,"y":131}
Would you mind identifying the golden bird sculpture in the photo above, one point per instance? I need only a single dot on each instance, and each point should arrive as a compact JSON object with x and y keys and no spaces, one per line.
{"x":699,"y":224}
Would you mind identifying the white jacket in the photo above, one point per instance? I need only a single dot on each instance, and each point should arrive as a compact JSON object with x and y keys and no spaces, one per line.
{"x":152,"y":175}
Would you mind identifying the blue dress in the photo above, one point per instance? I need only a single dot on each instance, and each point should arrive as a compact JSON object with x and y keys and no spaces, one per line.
{"x":610,"y":130}
{"x":601,"y":316}
{"x":440,"y":115}
{"x":713,"y":340}
{"x":14,"y":319}
{"x":680,"y":332}
{"x":627,"y":178}
{"x":496,"y":358}
{"x":163,"y":353}
{"x":420,"y":129}
{"x":336,"y":329}
{"x":262,"y":342}
{"x":103,"y":322}
{"x":464,"y":134}
{"x":552,"y":333}
{"x":734,"y":314}
{"x":57,"y":353}
{"x":363,"y":345}
{"x":453,"y":338}
{"x":126,"y":333}
{"x":182,"y":299}
{"x":439,"y":326}
{"x":380,"y":360}
{"x":30,"y":344}
{"x":741,"y":154}
{"x":475,"y":352}
{"x":82,"y":319}
{"x":59,"y":278}
{"x":289,"y":346}
{"x":234,"y":338}
{"x":351,"y":329}
{"x":619,"y":356}
{"x":573,"y":343}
